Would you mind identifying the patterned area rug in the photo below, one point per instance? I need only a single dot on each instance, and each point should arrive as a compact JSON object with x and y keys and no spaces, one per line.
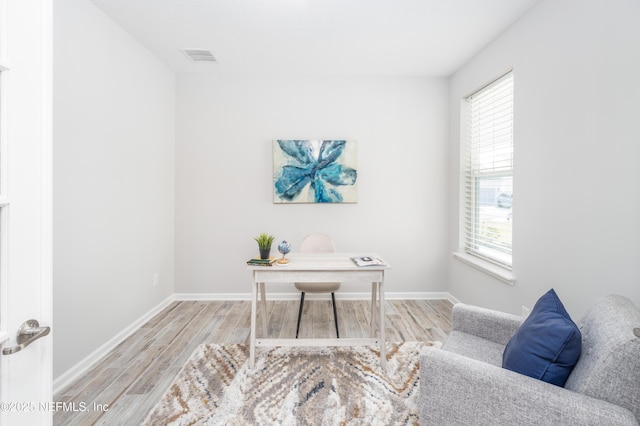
{"x":337,"y":385}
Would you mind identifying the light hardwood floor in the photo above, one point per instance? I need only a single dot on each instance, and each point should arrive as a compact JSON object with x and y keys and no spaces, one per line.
{"x":133,"y":377}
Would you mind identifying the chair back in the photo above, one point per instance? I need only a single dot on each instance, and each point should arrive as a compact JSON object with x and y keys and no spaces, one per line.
{"x":317,"y":243}
{"x":609,"y":366}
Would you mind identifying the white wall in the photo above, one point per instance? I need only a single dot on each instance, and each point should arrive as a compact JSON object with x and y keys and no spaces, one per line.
{"x":225,"y":126}
{"x":114,"y":116}
{"x":577,"y":144}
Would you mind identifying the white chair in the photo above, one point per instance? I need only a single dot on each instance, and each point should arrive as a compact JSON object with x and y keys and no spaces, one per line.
{"x":318,"y":243}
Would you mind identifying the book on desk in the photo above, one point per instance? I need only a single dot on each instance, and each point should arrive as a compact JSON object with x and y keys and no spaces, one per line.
{"x":368,"y":261}
{"x":262,"y":262}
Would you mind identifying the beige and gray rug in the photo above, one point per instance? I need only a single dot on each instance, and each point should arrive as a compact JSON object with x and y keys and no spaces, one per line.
{"x":290,"y":386}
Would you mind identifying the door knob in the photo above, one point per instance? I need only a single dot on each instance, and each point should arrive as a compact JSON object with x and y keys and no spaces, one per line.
{"x":29,"y":332}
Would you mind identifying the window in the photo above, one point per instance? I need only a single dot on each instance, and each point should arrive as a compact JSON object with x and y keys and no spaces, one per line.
{"x":488,"y":172}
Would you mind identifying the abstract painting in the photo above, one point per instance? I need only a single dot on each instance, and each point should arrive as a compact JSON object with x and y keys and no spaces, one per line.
{"x":315,"y":171}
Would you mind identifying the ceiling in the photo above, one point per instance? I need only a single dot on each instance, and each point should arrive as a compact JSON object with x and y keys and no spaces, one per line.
{"x":363,"y":37}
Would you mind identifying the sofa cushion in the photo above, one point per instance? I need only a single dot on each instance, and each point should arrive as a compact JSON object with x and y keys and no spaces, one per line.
{"x":609,"y":367}
{"x":547,"y":345}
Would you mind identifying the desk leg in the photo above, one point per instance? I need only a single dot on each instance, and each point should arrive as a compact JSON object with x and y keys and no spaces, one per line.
{"x":252,"y":340}
{"x":264,"y":311}
{"x":373,"y":310}
{"x":383,"y":343}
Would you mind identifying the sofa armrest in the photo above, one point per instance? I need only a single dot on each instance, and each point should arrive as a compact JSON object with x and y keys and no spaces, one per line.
{"x":455,"y":390}
{"x":495,"y":326}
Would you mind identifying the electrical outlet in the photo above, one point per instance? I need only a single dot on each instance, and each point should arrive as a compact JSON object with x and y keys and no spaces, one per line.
{"x":525,"y":311}
{"x":155,"y":279}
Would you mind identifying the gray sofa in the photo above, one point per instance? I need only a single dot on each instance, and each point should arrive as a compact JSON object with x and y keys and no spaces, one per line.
{"x":463,"y":383}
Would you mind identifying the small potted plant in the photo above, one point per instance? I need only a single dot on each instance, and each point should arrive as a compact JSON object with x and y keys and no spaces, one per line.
{"x":264,"y":241}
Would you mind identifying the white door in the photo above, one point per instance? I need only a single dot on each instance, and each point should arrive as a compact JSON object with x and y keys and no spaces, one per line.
{"x":25,"y":208}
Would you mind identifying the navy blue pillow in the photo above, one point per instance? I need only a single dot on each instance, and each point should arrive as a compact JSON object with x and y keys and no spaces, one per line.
{"x":547,"y":345}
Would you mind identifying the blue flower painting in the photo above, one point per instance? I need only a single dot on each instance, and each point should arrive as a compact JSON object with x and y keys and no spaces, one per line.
{"x":314,"y":171}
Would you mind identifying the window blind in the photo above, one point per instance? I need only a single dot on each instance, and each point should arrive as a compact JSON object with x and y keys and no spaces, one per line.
{"x":488,"y":172}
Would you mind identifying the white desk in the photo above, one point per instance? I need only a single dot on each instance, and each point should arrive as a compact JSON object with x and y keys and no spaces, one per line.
{"x":324,"y":267}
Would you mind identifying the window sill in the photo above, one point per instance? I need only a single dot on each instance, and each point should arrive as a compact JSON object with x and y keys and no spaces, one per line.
{"x":489,"y":268}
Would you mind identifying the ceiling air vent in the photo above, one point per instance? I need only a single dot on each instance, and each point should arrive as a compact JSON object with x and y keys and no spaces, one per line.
{"x":199,"y":55}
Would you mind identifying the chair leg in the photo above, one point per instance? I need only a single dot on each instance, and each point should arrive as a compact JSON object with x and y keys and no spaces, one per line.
{"x":335,"y":313}
{"x":300,"y":313}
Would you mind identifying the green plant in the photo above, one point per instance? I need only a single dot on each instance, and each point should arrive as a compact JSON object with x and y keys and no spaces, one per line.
{"x":264,"y":240}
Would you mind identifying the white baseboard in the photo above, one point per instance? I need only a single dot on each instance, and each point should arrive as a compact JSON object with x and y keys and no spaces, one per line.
{"x":452,"y":299}
{"x":428,"y":295}
{"x":83,"y":366}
